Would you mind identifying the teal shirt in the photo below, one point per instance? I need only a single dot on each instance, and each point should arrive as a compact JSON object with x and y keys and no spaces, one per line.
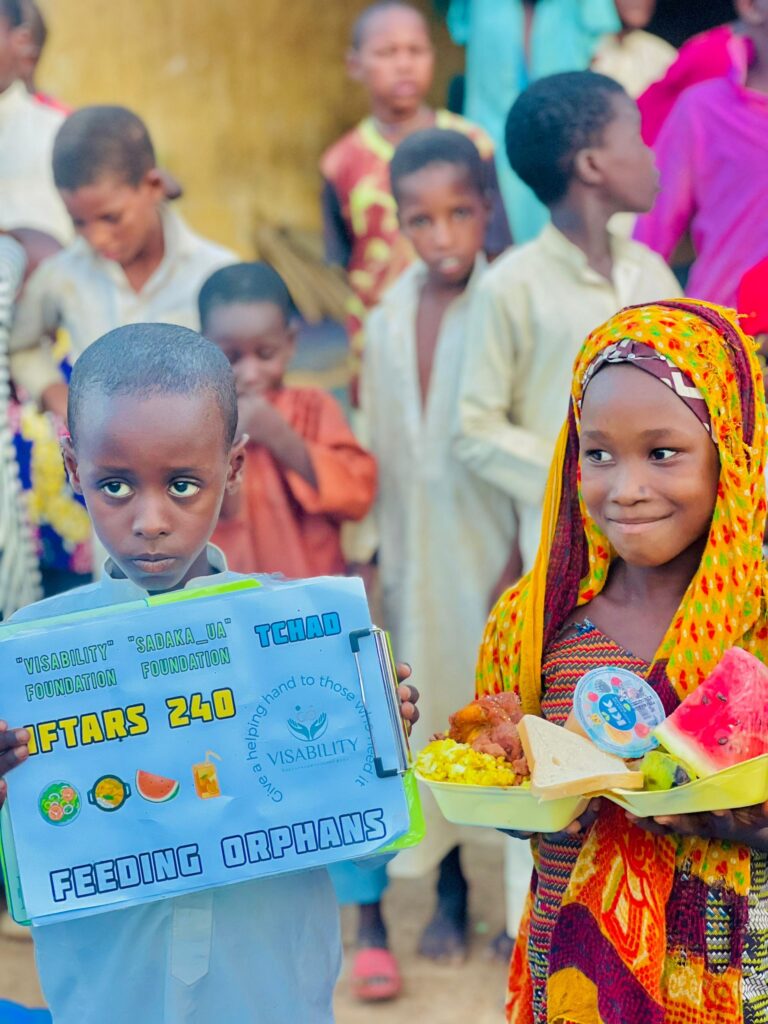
{"x":564,"y":37}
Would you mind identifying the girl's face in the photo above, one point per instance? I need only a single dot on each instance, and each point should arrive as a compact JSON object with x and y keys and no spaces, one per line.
{"x":649,"y":470}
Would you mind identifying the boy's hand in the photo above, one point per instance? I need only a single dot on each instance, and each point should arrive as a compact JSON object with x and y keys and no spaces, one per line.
{"x":408,"y":695}
{"x":13,"y":750}
{"x":259,"y":419}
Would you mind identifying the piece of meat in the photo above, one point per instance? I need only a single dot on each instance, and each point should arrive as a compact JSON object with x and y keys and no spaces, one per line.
{"x":489,"y":726}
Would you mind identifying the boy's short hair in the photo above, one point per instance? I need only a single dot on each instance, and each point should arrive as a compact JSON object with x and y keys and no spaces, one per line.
{"x":552,"y":121}
{"x":98,"y":141}
{"x":151,"y":359}
{"x":13,"y":12}
{"x":360,"y":26}
{"x":244,"y":282}
{"x":437,"y":146}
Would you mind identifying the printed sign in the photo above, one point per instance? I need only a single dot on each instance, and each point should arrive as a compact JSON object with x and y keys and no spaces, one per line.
{"x":194,"y":740}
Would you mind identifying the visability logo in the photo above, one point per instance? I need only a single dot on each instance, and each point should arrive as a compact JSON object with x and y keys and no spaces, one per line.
{"x":307,"y":725}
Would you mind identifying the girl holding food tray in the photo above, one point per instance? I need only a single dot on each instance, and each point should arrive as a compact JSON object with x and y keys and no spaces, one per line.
{"x":650,"y":559}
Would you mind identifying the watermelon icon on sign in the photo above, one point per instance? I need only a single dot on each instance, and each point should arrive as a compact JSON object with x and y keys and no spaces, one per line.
{"x":155,"y":788}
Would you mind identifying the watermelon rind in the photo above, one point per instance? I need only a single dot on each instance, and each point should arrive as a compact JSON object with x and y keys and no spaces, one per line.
{"x":143,"y":778}
{"x":686,"y":751}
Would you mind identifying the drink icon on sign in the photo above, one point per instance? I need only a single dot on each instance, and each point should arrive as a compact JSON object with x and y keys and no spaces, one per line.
{"x":206,"y":777}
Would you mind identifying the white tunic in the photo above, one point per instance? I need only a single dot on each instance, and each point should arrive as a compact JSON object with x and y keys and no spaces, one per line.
{"x":444,"y":534}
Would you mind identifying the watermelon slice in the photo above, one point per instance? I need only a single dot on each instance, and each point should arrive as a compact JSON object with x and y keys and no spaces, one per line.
{"x":724,"y":721}
{"x":155,"y":788}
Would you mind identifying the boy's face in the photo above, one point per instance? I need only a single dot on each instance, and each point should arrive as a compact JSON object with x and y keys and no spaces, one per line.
{"x":395,"y":61}
{"x":153,"y":471}
{"x":116,"y":219}
{"x":257,"y":341}
{"x":445,"y":218}
{"x":649,"y":470}
{"x":625,"y":166}
{"x":12,"y":44}
{"x":635,"y":14}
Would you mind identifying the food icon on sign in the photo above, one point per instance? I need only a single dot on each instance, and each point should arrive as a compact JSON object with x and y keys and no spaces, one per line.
{"x":155,"y":789}
{"x":59,"y":803}
{"x":109,"y":793}
{"x":206,"y":777}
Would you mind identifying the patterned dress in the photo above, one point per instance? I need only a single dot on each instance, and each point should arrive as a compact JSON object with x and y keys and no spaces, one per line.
{"x":716,"y":931}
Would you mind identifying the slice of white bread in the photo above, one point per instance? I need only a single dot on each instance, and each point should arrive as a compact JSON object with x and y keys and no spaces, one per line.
{"x":565,"y":764}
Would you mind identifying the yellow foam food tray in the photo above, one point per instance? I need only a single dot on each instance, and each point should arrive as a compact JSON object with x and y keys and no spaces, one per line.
{"x":510,"y":807}
{"x":743,"y":785}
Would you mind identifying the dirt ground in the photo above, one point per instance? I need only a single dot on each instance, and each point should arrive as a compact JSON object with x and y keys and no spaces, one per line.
{"x":433,"y":994}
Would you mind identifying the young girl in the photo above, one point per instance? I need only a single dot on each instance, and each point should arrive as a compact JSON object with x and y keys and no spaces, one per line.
{"x":650,"y":559}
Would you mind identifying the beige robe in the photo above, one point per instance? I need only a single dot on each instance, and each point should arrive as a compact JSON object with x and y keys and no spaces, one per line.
{"x":444,"y":535}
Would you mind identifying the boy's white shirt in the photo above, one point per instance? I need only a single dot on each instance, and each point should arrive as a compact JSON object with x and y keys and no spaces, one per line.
{"x":529,"y":317}
{"x":444,"y":535}
{"x":86,"y":295}
{"x":28,"y":196}
{"x":261,"y":952}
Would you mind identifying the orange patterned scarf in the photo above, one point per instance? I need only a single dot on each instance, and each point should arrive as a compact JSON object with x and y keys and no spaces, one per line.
{"x":629,"y":967}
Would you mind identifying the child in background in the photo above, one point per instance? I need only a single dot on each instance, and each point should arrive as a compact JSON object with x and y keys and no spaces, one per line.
{"x":28,"y":196}
{"x":716,"y":131}
{"x":31,"y":54}
{"x":575,"y":139}
{"x":655,"y":480}
{"x":159,"y":402}
{"x":443,"y":536}
{"x":135,"y":259}
{"x":510,"y":44}
{"x":713,"y":54}
{"x":305,"y":474}
{"x":634,"y":57}
{"x":392,"y":58}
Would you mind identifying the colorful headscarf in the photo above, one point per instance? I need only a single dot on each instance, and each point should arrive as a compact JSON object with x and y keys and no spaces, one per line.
{"x":619,"y":889}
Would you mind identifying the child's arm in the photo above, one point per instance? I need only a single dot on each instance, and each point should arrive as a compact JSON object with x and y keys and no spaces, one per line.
{"x":680,"y":157}
{"x":265,"y":426}
{"x":338,"y":244}
{"x":507,"y":456}
{"x":33,"y":367}
{"x":327,"y":470}
{"x":14,"y":750}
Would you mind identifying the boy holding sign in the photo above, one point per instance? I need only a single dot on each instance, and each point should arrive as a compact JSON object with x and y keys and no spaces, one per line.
{"x":153,"y":418}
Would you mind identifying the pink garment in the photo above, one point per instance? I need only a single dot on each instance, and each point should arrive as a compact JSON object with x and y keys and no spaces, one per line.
{"x":712,"y":54}
{"x":713,"y":157}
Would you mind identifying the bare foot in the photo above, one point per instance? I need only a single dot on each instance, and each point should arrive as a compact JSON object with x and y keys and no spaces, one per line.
{"x":445,"y":939}
{"x":500,"y":948}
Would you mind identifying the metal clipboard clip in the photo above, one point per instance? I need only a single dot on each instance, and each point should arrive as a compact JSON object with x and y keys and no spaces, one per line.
{"x":389,"y":678}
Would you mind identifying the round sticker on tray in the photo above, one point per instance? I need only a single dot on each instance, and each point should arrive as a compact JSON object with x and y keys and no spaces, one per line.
{"x":618,"y":710}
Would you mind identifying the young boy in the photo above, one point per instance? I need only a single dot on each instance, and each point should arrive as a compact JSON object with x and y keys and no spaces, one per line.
{"x":575,"y":140}
{"x":392,"y":58}
{"x":443,"y":536}
{"x":135,"y":260}
{"x":713,"y":157}
{"x":28,"y":197}
{"x":153,"y":420}
{"x":305,"y":473}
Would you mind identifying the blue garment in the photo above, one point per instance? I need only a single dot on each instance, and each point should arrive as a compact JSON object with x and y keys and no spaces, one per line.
{"x":564,"y":36}
{"x":12,"y":1013}
{"x":357,"y":884}
{"x":262,"y":952}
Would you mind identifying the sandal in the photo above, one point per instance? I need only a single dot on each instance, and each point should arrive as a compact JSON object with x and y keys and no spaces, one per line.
{"x":375,"y":976}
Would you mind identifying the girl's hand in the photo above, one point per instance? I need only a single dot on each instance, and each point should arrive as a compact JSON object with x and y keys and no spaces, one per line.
{"x":582,"y":824}
{"x":746,"y":825}
{"x":409,"y":697}
{"x":13,"y":750}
